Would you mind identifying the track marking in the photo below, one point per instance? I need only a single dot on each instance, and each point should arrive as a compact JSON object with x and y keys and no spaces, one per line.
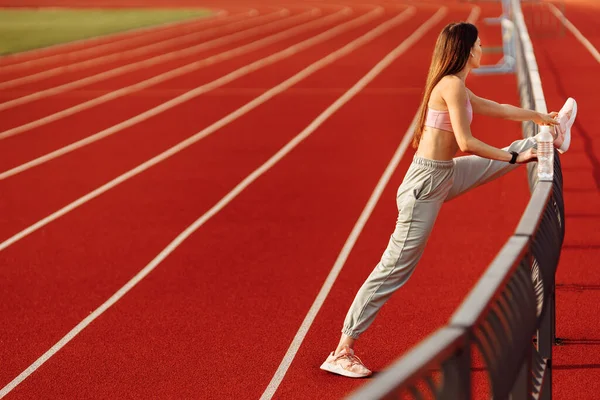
{"x":474,"y":15}
{"x":200,"y":22}
{"x":348,"y":48}
{"x":254,"y":66}
{"x":107,"y":58}
{"x":185,"y":69}
{"x":586,"y":43}
{"x":366,"y":213}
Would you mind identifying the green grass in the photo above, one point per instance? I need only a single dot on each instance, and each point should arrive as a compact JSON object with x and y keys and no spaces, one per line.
{"x":27,"y":28}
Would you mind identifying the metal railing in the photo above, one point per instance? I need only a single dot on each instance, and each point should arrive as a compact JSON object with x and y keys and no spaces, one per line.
{"x":506,"y":65}
{"x":509,"y":316}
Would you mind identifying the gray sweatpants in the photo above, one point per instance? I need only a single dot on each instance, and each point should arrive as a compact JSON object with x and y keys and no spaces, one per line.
{"x":426,"y":186}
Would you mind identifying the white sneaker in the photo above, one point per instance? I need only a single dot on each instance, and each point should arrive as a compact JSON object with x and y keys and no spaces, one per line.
{"x":566,"y":118}
{"x":346,"y":363}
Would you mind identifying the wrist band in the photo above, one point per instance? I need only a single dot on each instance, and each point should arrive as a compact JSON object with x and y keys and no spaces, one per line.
{"x":514,"y":157}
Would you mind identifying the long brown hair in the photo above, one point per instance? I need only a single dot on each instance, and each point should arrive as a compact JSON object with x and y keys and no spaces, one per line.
{"x":450,"y":56}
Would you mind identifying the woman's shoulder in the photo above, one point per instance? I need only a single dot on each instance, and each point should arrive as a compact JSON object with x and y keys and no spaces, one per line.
{"x":452,"y":82}
{"x":451,"y":86}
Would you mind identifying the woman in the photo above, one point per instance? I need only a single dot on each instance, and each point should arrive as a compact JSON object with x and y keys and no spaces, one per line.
{"x":443,"y":127}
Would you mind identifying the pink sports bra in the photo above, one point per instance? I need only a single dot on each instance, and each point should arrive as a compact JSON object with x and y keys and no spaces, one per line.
{"x":441,"y":119}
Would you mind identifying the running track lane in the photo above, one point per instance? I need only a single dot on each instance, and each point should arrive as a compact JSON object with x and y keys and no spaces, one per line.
{"x":166,"y":212}
{"x":568,"y":73}
{"x":18,"y":102}
{"x":147,"y":138}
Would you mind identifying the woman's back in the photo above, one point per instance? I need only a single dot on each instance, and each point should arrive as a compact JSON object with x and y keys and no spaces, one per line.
{"x":438,"y":141}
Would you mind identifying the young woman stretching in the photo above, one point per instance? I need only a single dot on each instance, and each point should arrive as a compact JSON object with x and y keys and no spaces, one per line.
{"x":443,"y":127}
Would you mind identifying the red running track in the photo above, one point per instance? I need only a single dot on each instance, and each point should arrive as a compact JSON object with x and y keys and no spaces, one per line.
{"x":215,"y":318}
{"x":148,"y":137}
{"x":569,"y":73}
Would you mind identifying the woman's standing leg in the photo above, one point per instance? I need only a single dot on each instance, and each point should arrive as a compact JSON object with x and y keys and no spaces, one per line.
{"x":419,"y":200}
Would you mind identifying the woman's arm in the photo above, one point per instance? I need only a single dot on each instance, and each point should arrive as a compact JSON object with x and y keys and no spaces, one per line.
{"x":455,"y":96}
{"x":492,"y":109}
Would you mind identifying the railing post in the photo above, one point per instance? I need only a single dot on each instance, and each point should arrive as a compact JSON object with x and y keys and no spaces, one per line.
{"x":523,"y":385}
{"x":464,"y":370}
{"x":546,"y":337}
{"x":457,"y":372}
{"x":461,"y":387}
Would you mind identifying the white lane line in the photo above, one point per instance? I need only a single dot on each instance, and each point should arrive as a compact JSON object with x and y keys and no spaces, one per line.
{"x":339,"y":264}
{"x":586,"y":43}
{"x":474,"y":15}
{"x":206,"y":87}
{"x":148,"y":32}
{"x":164,"y":57}
{"x":366,"y":213}
{"x":348,"y":48}
{"x":156,"y":79}
{"x":149,"y":48}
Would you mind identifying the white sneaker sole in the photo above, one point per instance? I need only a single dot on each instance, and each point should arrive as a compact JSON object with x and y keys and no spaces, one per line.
{"x":567,"y":142}
{"x":337,"y":369}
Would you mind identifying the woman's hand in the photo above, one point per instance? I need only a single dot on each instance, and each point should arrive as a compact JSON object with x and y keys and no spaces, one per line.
{"x":546,"y":119}
{"x":527,"y":156}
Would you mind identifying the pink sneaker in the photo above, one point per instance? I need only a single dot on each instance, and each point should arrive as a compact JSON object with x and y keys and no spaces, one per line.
{"x":346,"y":364}
{"x":566,"y":118}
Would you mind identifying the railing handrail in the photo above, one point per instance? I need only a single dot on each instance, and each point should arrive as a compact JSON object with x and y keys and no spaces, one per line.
{"x":531,"y":218}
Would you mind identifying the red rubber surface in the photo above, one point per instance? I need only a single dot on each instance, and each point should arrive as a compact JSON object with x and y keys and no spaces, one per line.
{"x":215,"y":318}
{"x":577,"y":362}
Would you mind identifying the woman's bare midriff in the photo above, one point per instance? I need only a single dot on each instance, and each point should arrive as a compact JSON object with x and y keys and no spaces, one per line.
{"x":437,"y":144}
